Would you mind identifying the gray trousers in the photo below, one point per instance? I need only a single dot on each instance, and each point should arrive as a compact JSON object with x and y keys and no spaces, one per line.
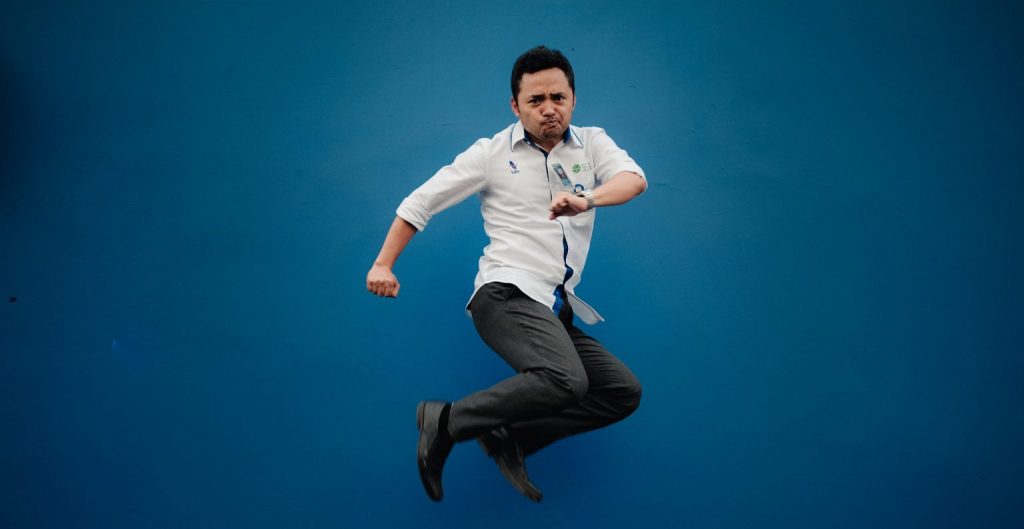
{"x":567,"y":382}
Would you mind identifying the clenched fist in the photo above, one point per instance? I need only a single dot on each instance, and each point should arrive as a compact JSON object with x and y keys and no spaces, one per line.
{"x":382,"y":282}
{"x":565,"y":204}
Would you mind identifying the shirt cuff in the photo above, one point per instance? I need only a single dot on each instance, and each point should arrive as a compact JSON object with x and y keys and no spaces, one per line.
{"x":415,"y":216}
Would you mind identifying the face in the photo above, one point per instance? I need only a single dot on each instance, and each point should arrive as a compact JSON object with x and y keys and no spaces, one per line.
{"x":544,"y":105}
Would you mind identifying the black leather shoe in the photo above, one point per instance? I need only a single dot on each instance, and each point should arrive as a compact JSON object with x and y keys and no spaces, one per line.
{"x":433,"y":447}
{"x":503,"y":448}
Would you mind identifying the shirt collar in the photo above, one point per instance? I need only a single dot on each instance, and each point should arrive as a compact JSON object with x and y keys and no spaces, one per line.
{"x":519,"y":135}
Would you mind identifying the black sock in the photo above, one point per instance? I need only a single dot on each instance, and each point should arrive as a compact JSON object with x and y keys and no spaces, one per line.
{"x":443,"y":420}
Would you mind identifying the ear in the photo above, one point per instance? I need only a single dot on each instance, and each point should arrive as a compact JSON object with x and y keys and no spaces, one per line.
{"x":514,"y":105}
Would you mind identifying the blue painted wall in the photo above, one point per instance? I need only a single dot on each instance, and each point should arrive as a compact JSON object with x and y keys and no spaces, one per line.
{"x":821,"y":291}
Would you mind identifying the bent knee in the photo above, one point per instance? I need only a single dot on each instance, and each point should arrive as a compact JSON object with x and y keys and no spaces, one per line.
{"x":630,"y":398}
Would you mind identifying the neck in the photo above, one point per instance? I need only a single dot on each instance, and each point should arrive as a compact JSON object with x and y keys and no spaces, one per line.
{"x":546,"y":145}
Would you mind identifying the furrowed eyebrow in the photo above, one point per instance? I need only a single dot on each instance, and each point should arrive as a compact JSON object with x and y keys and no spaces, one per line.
{"x":542,"y":96}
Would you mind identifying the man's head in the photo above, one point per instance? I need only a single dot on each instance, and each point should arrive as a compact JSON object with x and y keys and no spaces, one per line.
{"x":543,"y":94}
{"x":537,"y":59}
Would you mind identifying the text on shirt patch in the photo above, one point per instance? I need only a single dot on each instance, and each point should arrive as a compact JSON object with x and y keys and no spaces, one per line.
{"x":583,"y":166}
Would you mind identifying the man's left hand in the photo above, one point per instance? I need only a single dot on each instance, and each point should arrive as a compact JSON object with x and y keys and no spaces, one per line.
{"x":566,"y":205}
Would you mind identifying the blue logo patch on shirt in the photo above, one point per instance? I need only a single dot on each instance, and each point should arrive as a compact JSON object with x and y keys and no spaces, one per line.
{"x":515,"y":170}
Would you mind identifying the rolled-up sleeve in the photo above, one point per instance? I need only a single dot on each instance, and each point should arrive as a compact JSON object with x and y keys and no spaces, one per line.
{"x":449,"y":186}
{"x":609,"y":158}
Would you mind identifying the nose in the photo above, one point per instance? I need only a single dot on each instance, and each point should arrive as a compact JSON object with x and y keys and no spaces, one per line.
{"x":548,"y":109}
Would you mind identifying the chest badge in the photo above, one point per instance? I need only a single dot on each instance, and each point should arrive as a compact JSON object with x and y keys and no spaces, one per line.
{"x":566,"y":183}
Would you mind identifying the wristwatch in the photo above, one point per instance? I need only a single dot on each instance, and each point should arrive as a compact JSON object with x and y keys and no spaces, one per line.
{"x":589,"y":195}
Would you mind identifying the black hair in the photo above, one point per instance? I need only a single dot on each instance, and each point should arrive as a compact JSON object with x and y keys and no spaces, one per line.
{"x":537,"y":59}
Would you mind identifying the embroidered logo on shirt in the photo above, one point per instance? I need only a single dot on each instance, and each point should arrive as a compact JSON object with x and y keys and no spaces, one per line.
{"x":515,"y":170}
{"x":585,"y":166}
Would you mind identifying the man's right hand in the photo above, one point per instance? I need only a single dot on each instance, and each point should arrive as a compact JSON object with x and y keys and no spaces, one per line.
{"x":382,"y":282}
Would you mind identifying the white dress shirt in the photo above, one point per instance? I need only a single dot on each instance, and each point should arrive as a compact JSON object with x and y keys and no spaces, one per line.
{"x":516,"y":181}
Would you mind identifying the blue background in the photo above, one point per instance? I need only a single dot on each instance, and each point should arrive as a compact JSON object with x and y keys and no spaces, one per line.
{"x":821,"y":290}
